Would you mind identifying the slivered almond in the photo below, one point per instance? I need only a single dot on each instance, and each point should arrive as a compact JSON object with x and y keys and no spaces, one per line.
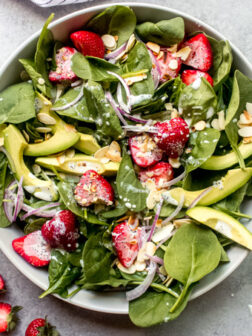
{"x":153,"y":47}
{"x":183,"y":53}
{"x":46,"y":119}
{"x":249,"y":108}
{"x":101,"y":153}
{"x":215,"y":124}
{"x":129,"y":270}
{"x":131,"y":80}
{"x":173,"y":64}
{"x":247,"y":140}
{"x":109,"y":41}
{"x":131,"y":43}
{"x":179,"y":222}
{"x":245,"y":132}
{"x":114,"y":152}
{"x":175,"y":163}
{"x":140,"y":267}
{"x":221,"y":119}
{"x":200,"y":125}
{"x":173,"y":48}
{"x":44,"y":129}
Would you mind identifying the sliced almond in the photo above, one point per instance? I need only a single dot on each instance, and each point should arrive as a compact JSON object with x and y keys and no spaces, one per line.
{"x":179,"y":222}
{"x":173,"y":64}
{"x":131,"y":42}
{"x":61,"y":159}
{"x":46,"y":119}
{"x":221,"y":119}
{"x":101,"y":153}
{"x":114,"y":152}
{"x":247,"y":140}
{"x":131,"y":80}
{"x":200,"y":125}
{"x":41,"y":81}
{"x":140,"y":267}
{"x":148,"y":248}
{"x":36,"y":169}
{"x":245,"y":119}
{"x":44,"y":129}
{"x":183,"y":53}
{"x":109,"y":41}
{"x":249,"y":108}
{"x":153,"y":47}
{"x":70,"y":152}
{"x":162,"y":233}
{"x":175,"y":163}
{"x":173,"y":48}
{"x":245,"y":132}
{"x":129,"y":270}
{"x":26,"y":136}
{"x":160,"y":55}
{"x":215,"y":124}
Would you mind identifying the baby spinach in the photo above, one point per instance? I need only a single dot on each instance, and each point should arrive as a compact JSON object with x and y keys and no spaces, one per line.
{"x":241,"y":94}
{"x":94,"y":219}
{"x":198,"y":104}
{"x":165,"y":32}
{"x":78,"y":111}
{"x":130,"y":189}
{"x":102,"y":112}
{"x":204,"y":146}
{"x":233,"y":201}
{"x":66,"y":193}
{"x":3,"y":172}
{"x":192,"y":253}
{"x":115,"y":20}
{"x":33,"y":225}
{"x":93,"y":68}
{"x":17,"y":103}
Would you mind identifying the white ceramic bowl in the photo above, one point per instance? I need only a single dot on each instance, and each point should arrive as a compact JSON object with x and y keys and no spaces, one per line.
{"x":9,"y":74}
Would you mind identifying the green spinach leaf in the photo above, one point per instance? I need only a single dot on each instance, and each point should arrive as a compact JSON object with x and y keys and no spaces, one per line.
{"x":66,"y":193}
{"x":34,"y":225}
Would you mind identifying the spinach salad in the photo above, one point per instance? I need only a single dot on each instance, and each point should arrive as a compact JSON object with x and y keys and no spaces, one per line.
{"x":125,"y":159}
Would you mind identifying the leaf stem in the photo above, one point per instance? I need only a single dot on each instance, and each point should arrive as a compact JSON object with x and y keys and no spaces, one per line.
{"x":180,"y":299}
{"x":160,"y":287}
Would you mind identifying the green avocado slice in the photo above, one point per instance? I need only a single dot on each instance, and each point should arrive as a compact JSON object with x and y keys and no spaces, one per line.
{"x":232,"y":181}
{"x":223,"y":223}
{"x":87,"y":144}
{"x":219,"y":162}
{"x":78,"y":164}
{"x":64,"y":135}
{"x":15,"y":144}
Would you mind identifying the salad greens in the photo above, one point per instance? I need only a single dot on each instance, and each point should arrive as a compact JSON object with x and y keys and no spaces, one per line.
{"x":129,"y":197}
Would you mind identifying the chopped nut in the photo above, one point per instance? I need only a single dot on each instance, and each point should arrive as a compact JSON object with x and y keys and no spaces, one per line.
{"x":173,"y":64}
{"x":200,"y":125}
{"x":109,"y":41}
{"x":249,"y":108}
{"x":221,"y":119}
{"x":160,"y":55}
{"x":43,"y":129}
{"x":173,"y":48}
{"x":245,"y":119}
{"x":70,"y":152}
{"x":175,"y":163}
{"x":46,"y":119}
{"x":41,"y":81}
{"x":153,"y":47}
{"x":183,"y":53}
{"x":36,"y":169}
{"x":247,"y":140}
{"x":245,"y":132}
{"x":26,"y":136}
{"x":215,"y":124}
{"x":153,"y":198}
{"x":131,"y":43}
{"x":140,"y":266}
{"x":131,"y":80}
{"x":101,"y":153}
{"x":114,"y":152}
{"x":147,"y":248}
{"x":129,"y":270}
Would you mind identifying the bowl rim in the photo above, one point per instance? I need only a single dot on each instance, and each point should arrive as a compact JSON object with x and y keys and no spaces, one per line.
{"x":12,"y":258}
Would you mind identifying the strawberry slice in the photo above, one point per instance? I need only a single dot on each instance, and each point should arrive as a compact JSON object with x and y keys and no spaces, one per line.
{"x":8,"y":317}
{"x":144,"y":150}
{"x":159,"y":173}
{"x":40,"y":327}
{"x":126,"y":241}
{"x":2,"y":285}
{"x":33,"y":248}
{"x":172,"y":136}
{"x":189,"y":76}
{"x":168,"y":65}
{"x":201,"y":56}
{"x":61,"y":231}
{"x":63,"y":70}
{"x":93,"y":189}
{"x":88,"y":43}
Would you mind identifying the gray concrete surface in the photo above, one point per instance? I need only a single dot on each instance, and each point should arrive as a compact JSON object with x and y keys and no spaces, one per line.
{"x":221,"y":312}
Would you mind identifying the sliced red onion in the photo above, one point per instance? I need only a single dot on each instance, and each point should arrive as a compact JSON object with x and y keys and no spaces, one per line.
{"x":125,"y":86}
{"x":155,"y":71}
{"x":130,"y":117}
{"x":198,"y":198}
{"x":175,"y":180}
{"x":142,"y":288}
{"x":143,"y":236}
{"x":116,"y":52}
{"x":156,"y":259}
{"x":73,"y":102}
{"x":40,"y":210}
{"x":19,"y":199}
{"x":161,"y":276}
{"x":176,"y":211}
{"x":46,"y":214}
{"x":115,"y":108}
{"x":159,"y":207}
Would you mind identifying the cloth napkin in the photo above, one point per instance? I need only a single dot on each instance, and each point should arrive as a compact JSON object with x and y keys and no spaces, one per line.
{"x":49,"y":3}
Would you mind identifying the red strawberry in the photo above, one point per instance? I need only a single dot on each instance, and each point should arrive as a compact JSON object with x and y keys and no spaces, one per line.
{"x":40,"y":327}
{"x":88,"y":43}
{"x":63,"y":70}
{"x":33,"y":248}
{"x":144,"y":150}
{"x":93,"y":189}
{"x":2,"y":285}
{"x":201,"y":56}
{"x":172,"y":136}
{"x":189,"y":76}
{"x":8,"y":317}
{"x":125,"y":241}
{"x":61,"y":231}
{"x":169,"y":66}
{"x":160,"y":173}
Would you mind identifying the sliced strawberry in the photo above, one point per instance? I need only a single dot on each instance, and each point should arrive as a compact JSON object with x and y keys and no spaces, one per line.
{"x":93,"y":189}
{"x":2,"y":285}
{"x":144,"y":150}
{"x":126,"y":241}
{"x":33,"y":248}
{"x":61,"y":231}
{"x":8,"y":317}
{"x":40,"y":327}
{"x":88,"y":43}
{"x":172,"y":136}
{"x":160,"y":173}
{"x":189,"y":76}
{"x":168,"y":65}
{"x":201,"y":56}
{"x":63,"y":70}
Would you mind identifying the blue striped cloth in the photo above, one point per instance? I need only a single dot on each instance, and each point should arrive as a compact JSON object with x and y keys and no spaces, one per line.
{"x":49,"y":3}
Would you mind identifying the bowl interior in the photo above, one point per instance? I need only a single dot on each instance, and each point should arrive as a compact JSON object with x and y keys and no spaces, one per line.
{"x":9,"y":74}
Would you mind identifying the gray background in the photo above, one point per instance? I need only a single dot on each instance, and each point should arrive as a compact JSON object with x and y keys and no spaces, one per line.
{"x":222,"y":311}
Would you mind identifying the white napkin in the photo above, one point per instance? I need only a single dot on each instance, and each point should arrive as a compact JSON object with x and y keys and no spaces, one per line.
{"x":49,"y":3}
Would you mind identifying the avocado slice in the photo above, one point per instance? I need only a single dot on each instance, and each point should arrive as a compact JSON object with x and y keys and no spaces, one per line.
{"x":223,"y":223}
{"x":87,"y":144}
{"x":219,"y":162}
{"x":64,"y":135}
{"x":232,"y":181}
{"x":78,"y":164}
{"x":15,"y":144}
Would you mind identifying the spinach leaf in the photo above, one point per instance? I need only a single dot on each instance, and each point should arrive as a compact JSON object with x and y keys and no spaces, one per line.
{"x":17,"y":103}
{"x":130,"y":189}
{"x":3,"y":172}
{"x":198,"y":104}
{"x":192,"y":253}
{"x":34,"y":225}
{"x":241,"y":94}
{"x":172,"y":88}
{"x":204,"y":146}
{"x":66,"y":193}
{"x":139,"y":59}
{"x":78,"y":111}
{"x":97,"y":260}
{"x":119,"y":210}
{"x":115,"y":20}
{"x":165,"y":32}
{"x":233,"y":201}
{"x":93,"y":68}
{"x":102,"y":112}
{"x":75,"y":257}
{"x":93,"y":219}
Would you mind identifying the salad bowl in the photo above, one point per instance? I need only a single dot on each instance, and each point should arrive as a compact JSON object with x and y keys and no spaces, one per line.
{"x":114,"y":302}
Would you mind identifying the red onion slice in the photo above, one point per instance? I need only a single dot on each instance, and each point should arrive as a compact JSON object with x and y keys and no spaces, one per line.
{"x":175,"y":180}
{"x":176,"y":211}
{"x":116,"y":52}
{"x":155,"y":71}
{"x":156,"y":259}
{"x":115,"y":108}
{"x":159,"y":207}
{"x":19,"y":199}
{"x":40,"y":210}
{"x":198,"y":198}
{"x":46,"y":214}
{"x":73,"y":102}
